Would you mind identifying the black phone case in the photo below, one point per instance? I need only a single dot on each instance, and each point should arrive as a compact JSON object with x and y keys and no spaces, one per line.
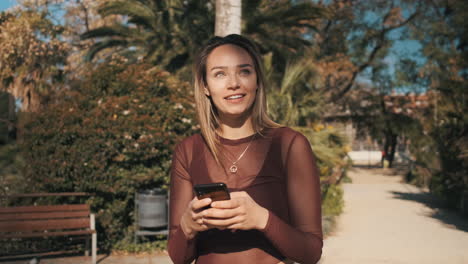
{"x":216,"y":191}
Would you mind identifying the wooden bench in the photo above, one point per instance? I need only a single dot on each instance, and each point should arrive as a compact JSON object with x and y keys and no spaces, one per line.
{"x":46,"y":221}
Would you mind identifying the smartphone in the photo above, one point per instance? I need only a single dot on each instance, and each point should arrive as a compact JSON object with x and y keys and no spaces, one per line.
{"x":216,"y":191}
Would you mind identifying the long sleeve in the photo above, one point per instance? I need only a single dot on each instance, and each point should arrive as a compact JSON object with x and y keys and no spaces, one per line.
{"x":181,"y":250}
{"x":301,"y":239}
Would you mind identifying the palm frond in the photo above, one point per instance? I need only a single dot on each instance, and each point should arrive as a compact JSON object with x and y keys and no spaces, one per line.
{"x":96,"y":48}
{"x":107,"y":31}
{"x":130,"y":8}
{"x":296,"y":74}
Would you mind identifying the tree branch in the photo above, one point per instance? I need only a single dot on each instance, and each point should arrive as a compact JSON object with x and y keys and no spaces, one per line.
{"x":373,"y":54}
{"x":83,"y":7}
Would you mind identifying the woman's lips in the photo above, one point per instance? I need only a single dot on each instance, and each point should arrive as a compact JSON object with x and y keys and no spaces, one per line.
{"x":235,"y":98}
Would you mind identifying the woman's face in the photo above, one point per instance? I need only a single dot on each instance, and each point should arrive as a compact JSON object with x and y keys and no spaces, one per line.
{"x":232,"y":80}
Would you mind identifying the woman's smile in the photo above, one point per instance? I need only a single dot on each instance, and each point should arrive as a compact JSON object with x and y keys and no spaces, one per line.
{"x":235,"y":98}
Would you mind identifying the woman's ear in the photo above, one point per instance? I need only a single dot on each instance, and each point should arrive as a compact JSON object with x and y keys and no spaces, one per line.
{"x":207,"y":92}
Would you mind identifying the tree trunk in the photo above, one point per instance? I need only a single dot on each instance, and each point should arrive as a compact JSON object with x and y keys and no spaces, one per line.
{"x":391,"y":157}
{"x":390,"y":144}
{"x":228,"y":17}
{"x":11,"y":117}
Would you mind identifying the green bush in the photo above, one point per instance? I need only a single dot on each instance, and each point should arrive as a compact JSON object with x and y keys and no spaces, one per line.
{"x":111,"y":134}
{"x":128,"y":245}
{"x":332,"y":206}
{"x":441,"y":161}
{"x":332,"y":200}
{"x":11,"y":162}
{"x":330,"y":148}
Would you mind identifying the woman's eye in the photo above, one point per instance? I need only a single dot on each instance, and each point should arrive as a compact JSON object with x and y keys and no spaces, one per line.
{"x":219,"y":74}
{"x":245,"y":72}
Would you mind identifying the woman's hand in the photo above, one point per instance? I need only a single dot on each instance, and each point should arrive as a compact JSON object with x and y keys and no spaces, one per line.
{"x":241,"y":212}
{"x":192,"y":219}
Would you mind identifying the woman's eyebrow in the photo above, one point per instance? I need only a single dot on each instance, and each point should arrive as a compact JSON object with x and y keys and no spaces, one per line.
{"x":225,"y":67}
{"x":244,"y":65}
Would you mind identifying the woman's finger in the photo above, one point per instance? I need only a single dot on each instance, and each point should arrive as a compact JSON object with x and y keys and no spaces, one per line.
{"x":221,"y":213}
{"x":199,"y":204}
{"x":197,"y":216}
{"x":222,"y":222}
{"x":226,"y":204}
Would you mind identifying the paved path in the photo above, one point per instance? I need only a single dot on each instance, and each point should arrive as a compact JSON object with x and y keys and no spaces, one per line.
{"x":386,"y":221}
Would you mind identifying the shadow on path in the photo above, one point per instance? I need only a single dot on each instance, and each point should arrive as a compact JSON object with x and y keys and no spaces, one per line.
{"x":367,"y":166}
{"x":447,"y":217}
{"x":103,"y":258}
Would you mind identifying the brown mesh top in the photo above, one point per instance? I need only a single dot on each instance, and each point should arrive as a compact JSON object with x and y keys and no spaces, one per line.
{"x":279,"y":172}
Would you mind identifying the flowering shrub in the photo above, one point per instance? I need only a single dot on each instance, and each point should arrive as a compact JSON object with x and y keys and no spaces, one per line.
{"x":111,"y":134}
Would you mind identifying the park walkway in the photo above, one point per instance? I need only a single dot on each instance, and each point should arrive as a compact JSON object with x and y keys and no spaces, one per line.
{"x":387,"y":221}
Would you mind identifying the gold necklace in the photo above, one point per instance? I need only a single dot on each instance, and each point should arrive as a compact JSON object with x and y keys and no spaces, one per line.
{"x":233,"y":168}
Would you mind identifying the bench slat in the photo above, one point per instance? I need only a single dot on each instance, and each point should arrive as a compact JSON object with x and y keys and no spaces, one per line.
{"x":48,"y":234}
{"x":39,"y":254}
{"x":25,"y":195}
{"x":41,"y":225}
{"x":44,"y":208}
{"x":43,"y":215}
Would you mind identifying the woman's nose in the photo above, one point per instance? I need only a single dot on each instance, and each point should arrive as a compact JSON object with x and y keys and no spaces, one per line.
{"x":233,"y":82}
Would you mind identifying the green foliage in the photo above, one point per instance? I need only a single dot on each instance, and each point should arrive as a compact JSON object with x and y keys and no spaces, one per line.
{"x":293,"y":100}
{"x":164,"y":33}
{"x":5,"y":117}
{"x":452,"y":180}
{"x":281,"y":27}
{"x":111,"y":135}
{"x":330,"y":149}
{"x":169,"y":33}
{"x":19,"y":246}
{"x":332,"y":206}
{"x":11,"y":162}
{"x":332,"y":200}
{"x":147,"y":246}
{"x":441,"y":150}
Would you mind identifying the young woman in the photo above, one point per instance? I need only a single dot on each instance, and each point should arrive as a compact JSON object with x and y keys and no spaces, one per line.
{"x":274,"y":214}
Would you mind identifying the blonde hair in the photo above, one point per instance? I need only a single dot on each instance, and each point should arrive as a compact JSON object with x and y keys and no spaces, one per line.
{"x":206,"y":111}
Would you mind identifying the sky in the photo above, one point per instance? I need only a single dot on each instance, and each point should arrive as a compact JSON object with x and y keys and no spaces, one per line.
{"x":5,"y":4}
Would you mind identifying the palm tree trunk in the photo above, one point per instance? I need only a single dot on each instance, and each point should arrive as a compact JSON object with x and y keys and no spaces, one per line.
{"x":228,"y":17}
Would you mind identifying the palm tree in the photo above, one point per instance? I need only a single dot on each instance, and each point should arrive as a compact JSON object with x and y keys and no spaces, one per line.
{"x":168,"y":32}
{"x":164,"y":32}
{"x":294,"y":98}
{"x":282,"y":27}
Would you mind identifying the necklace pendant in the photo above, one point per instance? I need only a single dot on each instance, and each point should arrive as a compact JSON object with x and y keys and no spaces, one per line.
{"x":233,"y":168}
